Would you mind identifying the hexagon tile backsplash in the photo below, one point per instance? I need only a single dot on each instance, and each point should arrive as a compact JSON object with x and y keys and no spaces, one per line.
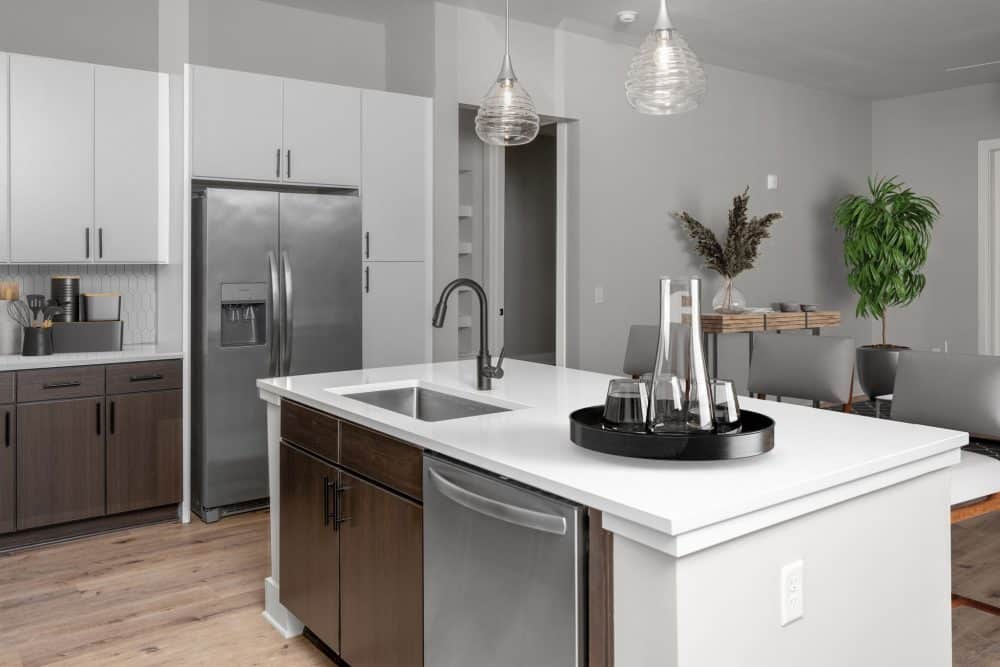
{"x":135,"y":282}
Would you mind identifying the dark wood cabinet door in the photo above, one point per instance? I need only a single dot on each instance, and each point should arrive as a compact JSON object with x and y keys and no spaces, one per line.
{"x":60,"y":462}
{"x":144,"y":451}
{"x":381,"y":577}
{"x":8,"y":469}
{"x":309,"y":548}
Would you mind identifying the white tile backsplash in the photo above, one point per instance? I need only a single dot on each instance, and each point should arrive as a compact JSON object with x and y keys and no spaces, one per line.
{"x":135,"y":282}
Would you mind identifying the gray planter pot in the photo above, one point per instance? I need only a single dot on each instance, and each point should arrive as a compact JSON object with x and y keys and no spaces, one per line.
{"x":877,"y":369}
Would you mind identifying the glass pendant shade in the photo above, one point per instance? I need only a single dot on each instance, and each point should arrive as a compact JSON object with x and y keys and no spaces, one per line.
{"x":507,"y":115}
{"x":665,"y":76}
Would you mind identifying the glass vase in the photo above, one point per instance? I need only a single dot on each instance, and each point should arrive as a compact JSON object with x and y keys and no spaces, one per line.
{"x":728,"y":299}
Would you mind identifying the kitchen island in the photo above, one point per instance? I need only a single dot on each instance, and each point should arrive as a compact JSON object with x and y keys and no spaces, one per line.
{"x":702,"y":551}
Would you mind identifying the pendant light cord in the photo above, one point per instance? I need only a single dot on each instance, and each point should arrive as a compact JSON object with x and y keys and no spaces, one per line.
{"x":506,"y":46}
{"x":663,"y":20}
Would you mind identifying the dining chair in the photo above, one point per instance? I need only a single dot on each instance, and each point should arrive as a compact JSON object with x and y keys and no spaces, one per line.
{"x":815,"y":368}
{"x":958,"y":391}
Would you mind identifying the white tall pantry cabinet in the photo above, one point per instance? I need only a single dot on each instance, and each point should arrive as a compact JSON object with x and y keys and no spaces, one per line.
{"x":4,"y":152}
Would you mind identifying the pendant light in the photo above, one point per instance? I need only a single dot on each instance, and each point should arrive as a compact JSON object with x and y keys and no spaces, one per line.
{"x":507,"y":114}
{"x":665,"y":76}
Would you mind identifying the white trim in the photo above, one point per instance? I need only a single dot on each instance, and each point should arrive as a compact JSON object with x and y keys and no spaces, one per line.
{"x":562,"y":227}
{"x":989,"y":258}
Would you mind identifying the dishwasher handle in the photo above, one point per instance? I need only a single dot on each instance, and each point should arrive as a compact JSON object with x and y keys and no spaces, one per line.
{"x":519,"y":516}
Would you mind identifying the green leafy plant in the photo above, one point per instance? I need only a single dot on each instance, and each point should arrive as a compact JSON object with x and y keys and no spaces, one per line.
{"x":886,"y":236}
{"x":743,"y":237}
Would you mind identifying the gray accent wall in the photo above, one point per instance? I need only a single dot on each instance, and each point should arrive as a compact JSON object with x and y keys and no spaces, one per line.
{"x":932,"y":142}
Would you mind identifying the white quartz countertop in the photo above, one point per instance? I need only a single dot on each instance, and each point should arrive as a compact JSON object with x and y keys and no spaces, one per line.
{"x":815,"y":451}
{"x":128,"y":353}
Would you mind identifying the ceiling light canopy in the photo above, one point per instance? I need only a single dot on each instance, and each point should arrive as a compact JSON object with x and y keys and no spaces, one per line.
{"x":507,"y":115}
{"x":665,"y":76}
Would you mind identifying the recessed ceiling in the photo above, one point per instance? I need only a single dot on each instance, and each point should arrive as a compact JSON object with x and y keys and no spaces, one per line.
{"x":869,"y":48}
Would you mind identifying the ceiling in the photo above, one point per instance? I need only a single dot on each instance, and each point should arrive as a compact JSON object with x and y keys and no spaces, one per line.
{"x":869,"y":48}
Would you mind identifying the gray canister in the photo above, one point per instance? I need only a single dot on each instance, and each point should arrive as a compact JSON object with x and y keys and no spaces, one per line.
{"x":66,"y":292}
{"x":10,"y":332}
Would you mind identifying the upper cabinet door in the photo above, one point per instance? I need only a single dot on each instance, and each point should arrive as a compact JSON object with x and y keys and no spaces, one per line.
{"x":4,"y":152}
{"x":52,"y":160}
{"x":396,"y":177}
{"x":237,"y":125}
{"x":322,"y":134}
{"x":128,"y":207}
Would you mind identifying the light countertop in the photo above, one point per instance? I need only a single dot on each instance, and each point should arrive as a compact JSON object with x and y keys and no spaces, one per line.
{"x":129,"y":353}
{"x":816,"y":451}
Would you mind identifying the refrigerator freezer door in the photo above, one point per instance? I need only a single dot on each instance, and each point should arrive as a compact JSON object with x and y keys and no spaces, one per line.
{"x":234,"y":233}
{"x":321,"y":283}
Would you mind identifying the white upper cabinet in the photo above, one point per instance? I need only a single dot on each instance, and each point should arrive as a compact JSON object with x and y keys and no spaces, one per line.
{"x":4,"y":152}
{"x":130,"y":118}
{"x":322,"y":134}
{"x":396,"y":320}
{"x":52,"y":160}
{"x":237,"y":125}
{"x":396,"y":177}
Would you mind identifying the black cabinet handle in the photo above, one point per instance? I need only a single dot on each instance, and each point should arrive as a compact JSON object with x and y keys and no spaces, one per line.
{"x":368,"y":245}
{"x":146,"y":378}
{"x":6,"y":428}
{"x":88,"y":242}
{"x":100,"y":242}
{"x":111,"y":417}
{"x":340,"y":518}
{"x":61,"y":385}
{"x":327,"y":515}
{"x":367,"y":279}
{"x":277,"y":164}
{"x":98,"y":405}
{"x":288,"y":164}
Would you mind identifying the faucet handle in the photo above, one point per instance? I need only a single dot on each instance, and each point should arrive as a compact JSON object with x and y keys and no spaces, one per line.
{"x":498,"y":369}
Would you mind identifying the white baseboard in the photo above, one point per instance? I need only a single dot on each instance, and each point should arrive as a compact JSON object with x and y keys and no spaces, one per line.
{"x":276,"y":614}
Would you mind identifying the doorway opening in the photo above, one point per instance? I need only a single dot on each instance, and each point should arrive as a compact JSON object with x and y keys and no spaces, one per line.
{"x":989,"y":254}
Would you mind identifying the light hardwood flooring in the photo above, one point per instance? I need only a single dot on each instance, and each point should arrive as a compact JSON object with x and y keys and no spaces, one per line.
{"x":192,"y":595}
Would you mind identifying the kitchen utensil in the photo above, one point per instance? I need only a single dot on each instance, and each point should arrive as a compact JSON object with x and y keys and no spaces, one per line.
{"x":627,"y":404}
{"x":36,"y":302}
{"x":679,"y":396}
{"x":20,"y":313}
{"x":37,"y":341}
{"x":100,"y":307}
{"x":65,"y":290}
{"x":726,"y":406}
{"x":808,"y":307}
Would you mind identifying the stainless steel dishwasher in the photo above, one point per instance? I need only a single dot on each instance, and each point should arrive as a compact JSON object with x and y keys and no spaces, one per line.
{"x":503,"y":572}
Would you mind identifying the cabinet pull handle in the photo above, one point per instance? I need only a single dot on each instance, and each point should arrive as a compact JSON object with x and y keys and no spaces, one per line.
{"x":6,"y":428}
{"x":277,"y":163}
{"x":339,"y":518}
{"x":288,"y":163}
{"x":98,"y":405}
{"x":87,"y":237}
{"x":368,"y":245}
{"x":367,"y":279}
{"x":61,"y":385}
{"x":146,"y":378}
{"x":327,"y":515}
{"x":100,"y":242}
{"x":111,"y":418}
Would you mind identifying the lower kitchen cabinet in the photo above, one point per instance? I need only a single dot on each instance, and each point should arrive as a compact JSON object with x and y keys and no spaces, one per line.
{"x":309,"y":552}
{"x":8,"y":470}
{"x":60,"y":462}
{"x":381,"y":588}
{"x":144,"y":457}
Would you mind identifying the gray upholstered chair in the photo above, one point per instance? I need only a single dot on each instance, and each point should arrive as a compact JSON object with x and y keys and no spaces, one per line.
{"x":959,"y":391}
{"x":815,"y":368}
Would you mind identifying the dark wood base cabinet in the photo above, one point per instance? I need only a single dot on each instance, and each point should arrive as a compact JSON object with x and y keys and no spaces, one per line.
{"x":8,"y":470}
{"x":351,"y":546}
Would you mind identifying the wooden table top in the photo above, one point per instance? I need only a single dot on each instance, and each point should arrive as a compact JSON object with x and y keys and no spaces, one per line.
{"x":721,"y":323}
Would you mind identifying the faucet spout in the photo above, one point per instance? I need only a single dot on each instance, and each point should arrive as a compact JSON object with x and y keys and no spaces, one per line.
{"x":485,"y":372}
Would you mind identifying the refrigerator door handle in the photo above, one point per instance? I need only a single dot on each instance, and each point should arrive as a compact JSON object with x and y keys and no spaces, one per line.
{"x":273,"y":333}
{"x":286,"y":334}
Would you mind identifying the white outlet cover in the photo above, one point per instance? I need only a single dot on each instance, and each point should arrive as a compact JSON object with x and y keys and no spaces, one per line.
{"x":792,"y":592}
{"x":599,"y":294}
{"x":772,"y":181}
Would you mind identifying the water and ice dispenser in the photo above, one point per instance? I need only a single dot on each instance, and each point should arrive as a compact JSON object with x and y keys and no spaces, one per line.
{"x":244,"y":314}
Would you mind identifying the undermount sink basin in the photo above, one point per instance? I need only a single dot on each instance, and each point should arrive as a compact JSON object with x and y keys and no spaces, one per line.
{"x":425,"y":404}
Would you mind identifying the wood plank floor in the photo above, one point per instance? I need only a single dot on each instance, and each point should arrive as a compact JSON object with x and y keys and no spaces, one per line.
{"x":192,"y":595}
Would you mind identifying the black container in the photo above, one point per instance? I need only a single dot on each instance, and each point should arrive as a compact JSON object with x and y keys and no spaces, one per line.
{"x":588,"y":429}
{"x":66,"y":292}
{"x":37,"y":341}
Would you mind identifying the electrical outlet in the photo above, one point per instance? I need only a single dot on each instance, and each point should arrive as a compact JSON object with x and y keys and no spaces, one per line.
{"x":792,"y":592}
{"x":772,"y":181}
{"x":599,"y":294}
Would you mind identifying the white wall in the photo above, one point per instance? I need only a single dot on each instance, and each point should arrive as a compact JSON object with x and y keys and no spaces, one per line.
{"x":269,"y":38}
{"x":931,"y":141}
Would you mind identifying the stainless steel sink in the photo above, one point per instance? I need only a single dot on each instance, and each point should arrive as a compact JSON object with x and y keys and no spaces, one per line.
{"x":425,"y":404}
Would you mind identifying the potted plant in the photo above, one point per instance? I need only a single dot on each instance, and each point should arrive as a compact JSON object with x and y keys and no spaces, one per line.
{"x":886,"y":235}
{"x":739,"y":254}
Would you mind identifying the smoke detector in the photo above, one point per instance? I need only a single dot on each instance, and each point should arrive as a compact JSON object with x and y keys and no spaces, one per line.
{"x":627,"y":16}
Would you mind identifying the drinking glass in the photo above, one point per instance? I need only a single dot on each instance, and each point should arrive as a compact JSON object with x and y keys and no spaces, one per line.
{"x":726,"y":406}
{"x":626,"y":405}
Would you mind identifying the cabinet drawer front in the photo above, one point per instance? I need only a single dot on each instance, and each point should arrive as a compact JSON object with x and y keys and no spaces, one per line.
{"x":383,"y":459}
{"x":145,"y":376}
{"x":58,"y":383}
{"x":310,"y":429}
{"x":6,"y":387}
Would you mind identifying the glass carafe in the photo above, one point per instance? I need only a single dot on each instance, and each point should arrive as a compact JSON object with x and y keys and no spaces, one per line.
{"x":680,"y":395}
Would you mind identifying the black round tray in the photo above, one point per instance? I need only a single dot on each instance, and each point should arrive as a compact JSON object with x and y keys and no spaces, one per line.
{"x":588,"y":429}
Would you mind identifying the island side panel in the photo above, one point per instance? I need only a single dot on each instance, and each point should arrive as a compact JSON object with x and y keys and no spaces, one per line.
{"x":600,"y":593}
{"x":876,"y":586}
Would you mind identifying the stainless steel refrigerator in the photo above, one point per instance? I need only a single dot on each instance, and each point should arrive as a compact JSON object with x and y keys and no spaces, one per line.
{"x":276,"y":291}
